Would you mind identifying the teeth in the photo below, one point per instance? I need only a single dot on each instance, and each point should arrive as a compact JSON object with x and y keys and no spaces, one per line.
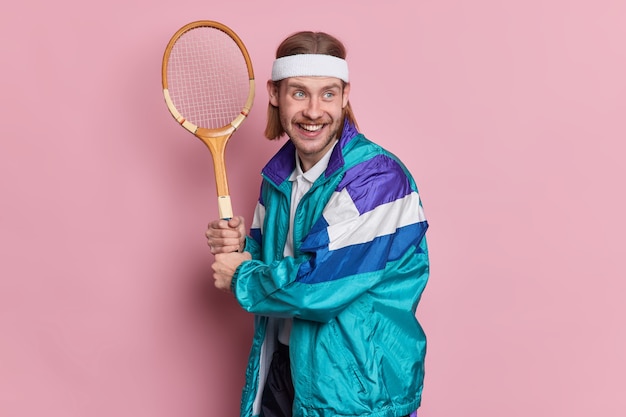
{"x":311,"y":128}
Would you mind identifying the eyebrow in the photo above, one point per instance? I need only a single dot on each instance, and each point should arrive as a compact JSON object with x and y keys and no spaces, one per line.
{"x":296,"y":84}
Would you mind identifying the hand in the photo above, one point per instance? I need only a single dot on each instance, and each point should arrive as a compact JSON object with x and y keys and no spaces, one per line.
{"x":225,"y":266}
{"x":225,"y":236}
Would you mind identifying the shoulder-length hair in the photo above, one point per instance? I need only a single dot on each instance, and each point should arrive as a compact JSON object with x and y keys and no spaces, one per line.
{"x":305,"y":42}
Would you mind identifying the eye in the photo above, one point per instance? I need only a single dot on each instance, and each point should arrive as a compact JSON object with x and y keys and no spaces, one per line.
{"x":329,"y":95}
{"x":298,"y":94}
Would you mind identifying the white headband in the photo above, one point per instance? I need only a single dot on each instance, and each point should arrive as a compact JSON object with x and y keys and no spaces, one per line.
{"x":310,"y":65}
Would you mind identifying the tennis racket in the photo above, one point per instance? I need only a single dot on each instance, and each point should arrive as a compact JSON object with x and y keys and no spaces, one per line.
{"x":208,"y":84}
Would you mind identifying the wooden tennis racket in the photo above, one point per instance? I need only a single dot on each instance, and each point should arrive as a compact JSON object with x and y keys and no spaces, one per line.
{"x":208,"y":84}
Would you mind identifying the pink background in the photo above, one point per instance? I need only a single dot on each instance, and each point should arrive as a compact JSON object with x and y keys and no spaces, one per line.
{"x":511,"y":115}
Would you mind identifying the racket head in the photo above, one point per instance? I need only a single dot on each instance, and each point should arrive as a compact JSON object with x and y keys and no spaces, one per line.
{"x":208,"y":79}
{"x":208,"y":85}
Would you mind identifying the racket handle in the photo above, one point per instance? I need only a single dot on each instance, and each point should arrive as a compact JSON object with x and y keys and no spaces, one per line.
{"x":225,"y":207}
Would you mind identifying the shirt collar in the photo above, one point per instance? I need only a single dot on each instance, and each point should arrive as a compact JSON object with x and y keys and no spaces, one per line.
{"x":316,"y":170}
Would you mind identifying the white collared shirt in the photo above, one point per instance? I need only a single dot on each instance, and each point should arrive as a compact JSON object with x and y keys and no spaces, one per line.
{"x":301,"y":184}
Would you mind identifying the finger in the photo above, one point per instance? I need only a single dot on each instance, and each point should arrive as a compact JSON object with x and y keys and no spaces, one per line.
{"x":220,"y":282}
{"x":224,"y":246}
{"x":223,"y":239}
{"x":220,"y":250}
{"x":218,"y":224}
{"x":222,"y":285}
{"x":223,"y":233}
{"x":215,"y":224}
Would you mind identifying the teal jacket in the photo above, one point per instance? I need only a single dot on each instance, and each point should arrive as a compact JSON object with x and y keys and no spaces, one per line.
{"x":352,"y":287}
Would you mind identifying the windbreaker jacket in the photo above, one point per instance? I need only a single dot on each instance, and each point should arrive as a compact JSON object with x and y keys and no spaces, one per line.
{"x":352,"y":287}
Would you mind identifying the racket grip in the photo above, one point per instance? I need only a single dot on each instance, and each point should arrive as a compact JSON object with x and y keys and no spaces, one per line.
{"x":225,"y":207}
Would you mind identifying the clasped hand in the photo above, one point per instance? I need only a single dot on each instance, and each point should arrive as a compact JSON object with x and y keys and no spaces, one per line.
{"x":226,"y":240}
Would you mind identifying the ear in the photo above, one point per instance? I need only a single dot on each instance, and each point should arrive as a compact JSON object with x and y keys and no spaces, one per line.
{"x":346,"y":94}
{"x":272,"y":91}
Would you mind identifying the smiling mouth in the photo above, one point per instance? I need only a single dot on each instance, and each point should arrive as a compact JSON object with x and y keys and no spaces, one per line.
{"x":311,"y":128}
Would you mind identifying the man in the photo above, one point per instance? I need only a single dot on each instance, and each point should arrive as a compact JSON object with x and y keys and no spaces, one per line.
{"x":336,"y":260}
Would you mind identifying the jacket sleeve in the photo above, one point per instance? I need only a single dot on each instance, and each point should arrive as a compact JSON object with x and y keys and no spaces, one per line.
{"x":252,"y":247}
{"x":370,"y":232}
{"x":253,"y":241}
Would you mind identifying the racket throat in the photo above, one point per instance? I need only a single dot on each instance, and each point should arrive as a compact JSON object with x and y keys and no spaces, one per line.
{"x":217,"y":146}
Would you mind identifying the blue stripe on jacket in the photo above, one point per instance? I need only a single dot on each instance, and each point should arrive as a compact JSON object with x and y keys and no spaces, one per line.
{"x":357,"y":259}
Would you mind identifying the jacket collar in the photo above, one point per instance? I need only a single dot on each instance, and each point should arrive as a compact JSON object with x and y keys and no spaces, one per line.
{"x":280,"y":167}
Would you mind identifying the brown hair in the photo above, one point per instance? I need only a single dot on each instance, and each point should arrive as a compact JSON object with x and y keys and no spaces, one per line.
{"x":305,"y":42}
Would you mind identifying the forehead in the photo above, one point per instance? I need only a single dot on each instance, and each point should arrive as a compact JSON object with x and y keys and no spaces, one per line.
{"x":313,"y":83}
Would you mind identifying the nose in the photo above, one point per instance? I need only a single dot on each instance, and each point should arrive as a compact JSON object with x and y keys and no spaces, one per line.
{"x":313,"y":109}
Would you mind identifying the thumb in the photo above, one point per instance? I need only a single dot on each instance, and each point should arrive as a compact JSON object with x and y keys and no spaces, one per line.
{"x":234,"y":222}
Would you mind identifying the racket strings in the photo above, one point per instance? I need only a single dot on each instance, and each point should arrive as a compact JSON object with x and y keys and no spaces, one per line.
{"x":207,"y":77}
